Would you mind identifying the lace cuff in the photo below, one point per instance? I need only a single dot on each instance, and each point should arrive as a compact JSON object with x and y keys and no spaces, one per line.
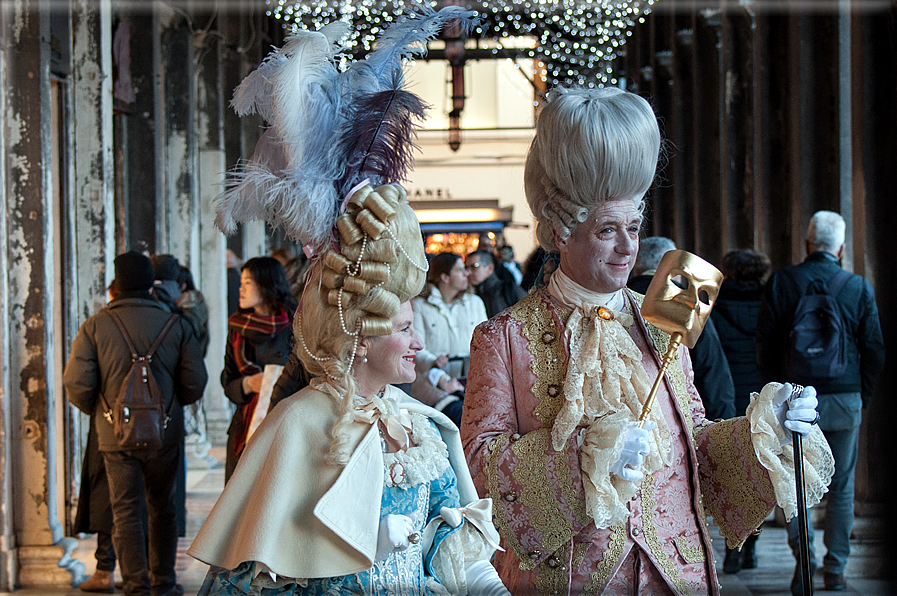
{"x":606,"y":494}
{"x":468,"y":543}
{"x":767,"y":436}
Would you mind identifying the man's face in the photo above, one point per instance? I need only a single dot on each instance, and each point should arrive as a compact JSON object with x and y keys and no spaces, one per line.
{"x":601,"y":251}
{"x":682,"y":294}
{"x":477,"y":270}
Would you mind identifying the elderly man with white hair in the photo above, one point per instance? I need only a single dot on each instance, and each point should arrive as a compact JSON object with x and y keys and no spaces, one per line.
{"x":585,"y":500}
{"x":842,"y":393}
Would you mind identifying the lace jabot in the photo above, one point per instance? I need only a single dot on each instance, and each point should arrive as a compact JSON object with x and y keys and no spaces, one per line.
{"x":605,"y":387}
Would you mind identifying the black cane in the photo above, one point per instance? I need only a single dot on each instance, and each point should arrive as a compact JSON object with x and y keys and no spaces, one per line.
{"x":803,"y":534}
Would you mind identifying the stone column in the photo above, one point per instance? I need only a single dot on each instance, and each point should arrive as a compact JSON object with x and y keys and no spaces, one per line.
{"x":28,"y":253}
{"x":211,"y":99}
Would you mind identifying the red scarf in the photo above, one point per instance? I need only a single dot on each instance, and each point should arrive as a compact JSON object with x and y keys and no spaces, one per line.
{"x":245,"y":325}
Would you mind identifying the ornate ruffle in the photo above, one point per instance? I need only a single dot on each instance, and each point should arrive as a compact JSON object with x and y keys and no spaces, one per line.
{"x":424,"y":462}
{"x":605,"y":387}
{"x":455,"y":552}
{"x":767,"y":436}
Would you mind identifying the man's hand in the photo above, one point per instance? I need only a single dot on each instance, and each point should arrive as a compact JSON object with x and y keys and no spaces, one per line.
{"x":635,"y":448}
{"x":441,"y":361}
{"x":254,"y":382}
{"x":797,"y":414}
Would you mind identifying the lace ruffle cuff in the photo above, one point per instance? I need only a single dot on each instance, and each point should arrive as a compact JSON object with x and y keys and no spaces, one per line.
{"x":607,"y":494}
{"x":767,"y":436}
{"x":474,"y":539}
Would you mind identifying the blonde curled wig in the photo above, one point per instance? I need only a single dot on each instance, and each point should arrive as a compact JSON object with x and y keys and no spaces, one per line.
{"x":357,"y":287}
{"x":591,"y":146}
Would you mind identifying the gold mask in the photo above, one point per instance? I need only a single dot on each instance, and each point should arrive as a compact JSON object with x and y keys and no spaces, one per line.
{"x":684,"y":309}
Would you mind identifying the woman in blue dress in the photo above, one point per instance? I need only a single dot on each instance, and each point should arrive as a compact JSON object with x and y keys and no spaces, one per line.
{"x":354,"y":487}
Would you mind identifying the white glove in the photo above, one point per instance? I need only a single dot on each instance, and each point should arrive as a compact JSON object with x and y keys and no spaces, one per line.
{"x":635,"y":448}
{"x":796,"y":415}
{"x":393,"y":534}
{"x":483,"y":580}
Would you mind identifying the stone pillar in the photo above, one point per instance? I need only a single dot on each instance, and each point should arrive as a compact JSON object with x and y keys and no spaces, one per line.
{"x":211,"y":100}
{"x":28,"y":251}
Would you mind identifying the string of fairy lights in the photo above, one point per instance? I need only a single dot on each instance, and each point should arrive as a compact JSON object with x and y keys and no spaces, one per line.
{"x":576,"y":41}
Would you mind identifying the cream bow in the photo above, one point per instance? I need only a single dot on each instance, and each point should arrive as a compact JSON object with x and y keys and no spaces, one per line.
{"x":479,"y":513}
{"x":395,"y":421}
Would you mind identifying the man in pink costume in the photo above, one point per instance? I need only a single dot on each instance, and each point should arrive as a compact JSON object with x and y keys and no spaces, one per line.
{"x":585,"y":500}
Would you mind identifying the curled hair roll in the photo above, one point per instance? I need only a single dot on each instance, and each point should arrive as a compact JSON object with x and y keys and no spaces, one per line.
{"x":379,"y":207}
{"x":372,"y":226}
{"x":348,"y":231}
{"x":356,"y":286}
{"x":380,"y":302}
{"x":334,"y":297}
{"x":373,"y":326}
{"x":383,"y":250}
{"x":336,"y":262}
{"x":373,"y":272}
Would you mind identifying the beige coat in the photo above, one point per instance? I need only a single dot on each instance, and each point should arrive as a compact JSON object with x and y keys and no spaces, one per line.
{"x":288,"y":507}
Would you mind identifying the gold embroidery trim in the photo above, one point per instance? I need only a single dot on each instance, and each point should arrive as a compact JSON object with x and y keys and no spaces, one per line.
{"x":611,"y":556}
{"x":537,"y":494}
{"x":546,"y":344}
{"x":691,"y":554}
{"x":731,"y":473}
{"x":648,"y":505}
{"x":563,"y":468}
{"x":498,"y":510}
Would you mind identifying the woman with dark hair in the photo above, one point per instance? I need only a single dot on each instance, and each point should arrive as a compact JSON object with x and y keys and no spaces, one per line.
{"x":258,"y":334}
{"x":735,"y":318}
{"x":445,"y":319}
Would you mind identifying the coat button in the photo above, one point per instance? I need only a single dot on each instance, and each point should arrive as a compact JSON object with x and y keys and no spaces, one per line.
{"x":515,"y":437}
{"x":552,"y":562}
{"x":636,"y":531}
{"x":535,"y":554}
{"x":510,"y":496}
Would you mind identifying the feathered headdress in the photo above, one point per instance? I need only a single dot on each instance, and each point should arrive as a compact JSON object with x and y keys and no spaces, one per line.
{"x":329,"y":130}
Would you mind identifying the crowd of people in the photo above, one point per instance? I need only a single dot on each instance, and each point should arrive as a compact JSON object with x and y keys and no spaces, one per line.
{"x":407,"y":423}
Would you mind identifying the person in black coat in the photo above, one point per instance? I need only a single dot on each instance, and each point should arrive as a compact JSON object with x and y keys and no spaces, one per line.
{"x":735,"y":317}
{"x":259,"y":333}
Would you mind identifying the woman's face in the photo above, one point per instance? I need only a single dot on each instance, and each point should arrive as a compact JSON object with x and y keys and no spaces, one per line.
{"x":456,"y":280}
{"x":250,"y":294}
{"x":601,"y":251}
{"x":390,"y":358}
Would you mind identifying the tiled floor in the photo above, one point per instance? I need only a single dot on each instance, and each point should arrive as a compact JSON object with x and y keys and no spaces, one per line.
{"x":771,"y":578}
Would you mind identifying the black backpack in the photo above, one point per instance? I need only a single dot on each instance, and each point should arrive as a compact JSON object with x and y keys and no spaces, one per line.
{"x":138,"y":417}
{"x":817,"y":344}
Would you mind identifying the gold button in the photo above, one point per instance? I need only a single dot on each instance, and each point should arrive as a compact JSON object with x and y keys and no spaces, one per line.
{"x":515,"y":437}
{"x":636,"y":531}
{"x":552,"y":562}
{"x":535,"y":554}
{"x":510,"y":496}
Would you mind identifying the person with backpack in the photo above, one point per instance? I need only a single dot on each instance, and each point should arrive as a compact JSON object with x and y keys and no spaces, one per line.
{"x":818,"y":325}
{"x":132,"y":367}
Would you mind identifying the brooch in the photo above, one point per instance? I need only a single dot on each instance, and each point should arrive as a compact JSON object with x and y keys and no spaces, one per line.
{"x":605,"y":313}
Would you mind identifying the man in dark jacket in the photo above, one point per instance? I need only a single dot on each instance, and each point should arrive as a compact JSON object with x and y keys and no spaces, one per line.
{"x":841,"y":399}
{"x":497,"y":293}
{"x":138,"y":480}
{"x":712,"y":377}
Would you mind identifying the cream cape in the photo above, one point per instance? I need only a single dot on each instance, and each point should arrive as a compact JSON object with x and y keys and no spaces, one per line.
{"x":288,"y":507}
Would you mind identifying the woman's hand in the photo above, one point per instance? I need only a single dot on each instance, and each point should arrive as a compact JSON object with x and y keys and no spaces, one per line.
{"x":254,"y":382}
{"x":394,"y":534}
{"x":450,"y":384}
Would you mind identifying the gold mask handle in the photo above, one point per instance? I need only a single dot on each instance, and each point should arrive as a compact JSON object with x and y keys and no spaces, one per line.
{"x":686,"y":319}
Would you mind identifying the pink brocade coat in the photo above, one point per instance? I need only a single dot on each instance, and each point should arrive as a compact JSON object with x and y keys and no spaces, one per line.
{"x":514,"y":392}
